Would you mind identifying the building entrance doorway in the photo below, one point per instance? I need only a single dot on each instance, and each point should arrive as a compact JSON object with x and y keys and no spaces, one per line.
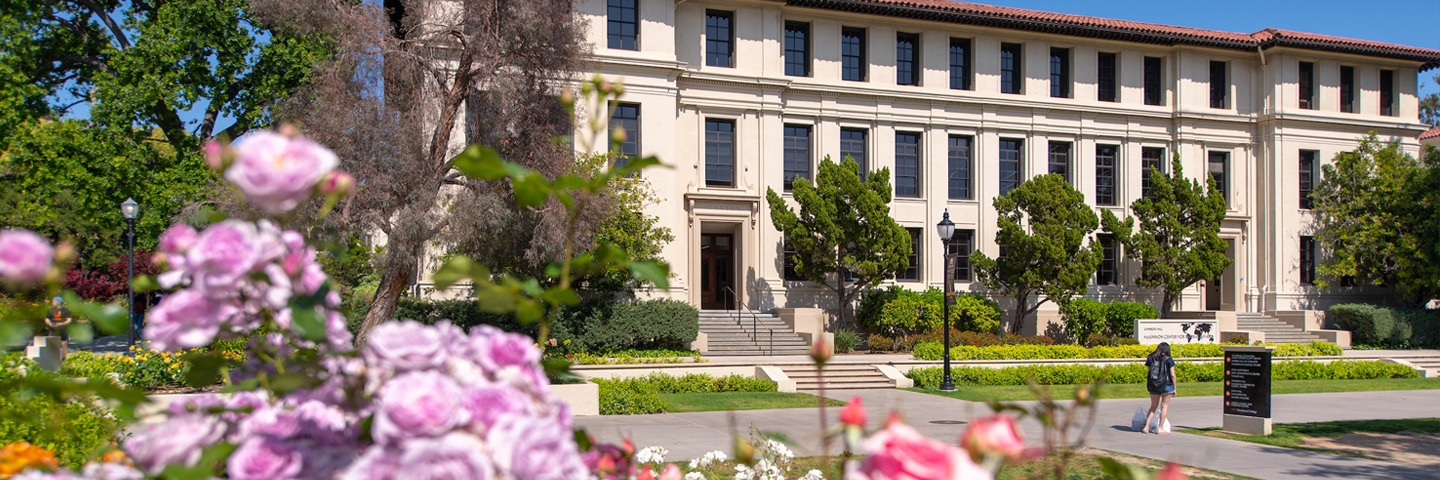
{"x":1220,"y":292}
{"x":717,"y":271}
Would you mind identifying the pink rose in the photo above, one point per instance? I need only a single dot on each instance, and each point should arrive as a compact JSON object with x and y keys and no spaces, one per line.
{"x":270,"y":421}
{"x":1171,"y":472}
{"x":997,"y":434}
{"x":377,"y":463}
{"x":186,"y":319}
{"x":456,"y":456}
{"x":277,"y":172}
{"x":535,"y":448}
{"x":671,"y":472}
{"x":223,"y":256}
{"x":900,"y":453}
{"x":854,"y":413}
{"x":490,"y":403}
{"x":24,"y":256}
{"x":179,"y":441}
{"x":497,"y":351}
{"x":418,"y":404}
{"x":406,"y":345}
{"x":177,"y":239}
{"x":264,"y":458}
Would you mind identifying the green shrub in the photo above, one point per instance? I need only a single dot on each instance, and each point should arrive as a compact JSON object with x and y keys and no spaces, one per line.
{"x":659,"y":323}
{"x":1394,"y":327}
{"x":640,"y":395}
{"x":73,"y":429}
{"x":845,"y":340}
{"x":1083,"y":317}
{"x":978,"y":339}
{"x":896,"y":311}
{"x":878,"y":342}
{"x":930,"y":377}
{"x":1120,"y":317}
{"x":932,"y":351}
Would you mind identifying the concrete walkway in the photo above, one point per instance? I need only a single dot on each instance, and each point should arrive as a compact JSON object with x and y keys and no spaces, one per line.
{"x":689,"y":435}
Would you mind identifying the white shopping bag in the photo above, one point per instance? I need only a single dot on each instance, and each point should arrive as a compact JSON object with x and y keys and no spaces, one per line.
{"x":1138,"y":421}
{"x":1163,"y":428}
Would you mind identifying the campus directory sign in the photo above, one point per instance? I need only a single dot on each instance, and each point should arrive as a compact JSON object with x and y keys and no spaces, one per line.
{"x":1247,"y":383}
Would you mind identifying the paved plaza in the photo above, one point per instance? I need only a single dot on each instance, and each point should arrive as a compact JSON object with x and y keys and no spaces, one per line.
{"x":688,"y":435}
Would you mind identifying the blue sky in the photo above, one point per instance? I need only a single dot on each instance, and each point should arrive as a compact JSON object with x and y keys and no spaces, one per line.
{"x":1407,"y":22}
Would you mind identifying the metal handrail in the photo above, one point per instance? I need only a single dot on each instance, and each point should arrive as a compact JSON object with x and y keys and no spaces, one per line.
{"x":754,"y":319}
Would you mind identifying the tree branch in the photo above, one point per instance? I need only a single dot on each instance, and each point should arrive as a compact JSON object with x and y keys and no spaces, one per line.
{"x":212,"y":112}
{"x":115,"y":29}
{"x":91,"y":61}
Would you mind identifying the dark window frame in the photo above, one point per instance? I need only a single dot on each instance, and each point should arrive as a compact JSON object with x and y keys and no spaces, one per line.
{"x":1105,"y":160}
{"x":1060,"y":156}
{"x":1309,"y":160}
{"x":911,"y":150}
{"x":712,"y":57}
{"x":1307,"y":86}
{"x":1107,"y":68}
{"x":1015,"y":166}
{"x":912,"y":271}
{"x":625,"y":42}
{"x":1059,"y":72}
{"x":1109,"y":272}
{"x":847,"y":148}
{"x":1347,"y":89}
{"x":787,"y":262}
{"x":802,"y":50}
{"x":1307,"y":260}
{"x":798,"y":161}
{"x":961,"y":245}
{"x":961,"y":154}
{"x":908,"y":69}
{"x":1154,"y":81}
{"x":1219,"y":84}
{"x":1387,"y":93}
{"x":711,"y":145}
{"x":960,"y":63}
{"x":1150,"y":158}
{"x":1012,"y":78}
{"x":622,"y":118}
{"x":853,"y":37}
{"x":1222,"y":181}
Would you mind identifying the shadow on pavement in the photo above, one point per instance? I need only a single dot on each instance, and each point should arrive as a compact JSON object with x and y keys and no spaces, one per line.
{"x":1359,"y":468}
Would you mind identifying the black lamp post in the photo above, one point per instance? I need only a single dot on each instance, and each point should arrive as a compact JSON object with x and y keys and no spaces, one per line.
{"x":130,"y":210}
{"x":946,"y":228}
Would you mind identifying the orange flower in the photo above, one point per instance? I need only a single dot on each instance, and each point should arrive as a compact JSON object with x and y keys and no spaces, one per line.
{"x":19,"y":456}
{"x":115,"y":456}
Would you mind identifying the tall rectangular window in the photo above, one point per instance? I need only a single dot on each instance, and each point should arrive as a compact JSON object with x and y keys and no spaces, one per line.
{"x":789,"y":255}
{"x":1220,"y":171}
{"x":797,"y":154}
{"x":1154,"y":91}
{"x":1105,"y":174}
{"x":1347,"y":89}
{"x":1109,"y":261}
{"x":719,"y":153}
{"x":853,"y":66}
{"x":1010,"y":168}
{"x":907,"y":59}
{"x":854,"y":144}
{"x":1307,"y":85}
{"x":962,"y":242}
{"x":1105,"y":77}
{"x":907,"y":164}
{"x":1060,"y":159}
{"x":912,"y":271}
{"x":960,"y":167}
{"x":627,"y":118}
{"x":1152,"y":159}
{"x":797,"y":49}
{"x":1307,"y":177}
{"x":1307,"y":260}
{"x":1012,"y":77}
{"x":960,"y":64}
{"x":1060,"y":72}
{"x":1219,"y":84}
{"x":719,"y":39}
{"x":1387,"y":92}
{"x":622,"y":24}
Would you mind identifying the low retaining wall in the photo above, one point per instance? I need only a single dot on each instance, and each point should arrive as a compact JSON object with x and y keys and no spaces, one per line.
{"x":583,"y":398}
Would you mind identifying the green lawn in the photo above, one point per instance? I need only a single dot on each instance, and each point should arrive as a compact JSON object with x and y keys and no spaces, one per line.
{"x":1085,"y":464}
{"x":1292,"y":435}
{"x":1198,"y":389}
{"x":714,"y":402}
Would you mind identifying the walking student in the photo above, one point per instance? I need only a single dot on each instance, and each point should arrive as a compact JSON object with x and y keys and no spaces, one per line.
{"x":57,"y":319}
{"x":1161,"y":383}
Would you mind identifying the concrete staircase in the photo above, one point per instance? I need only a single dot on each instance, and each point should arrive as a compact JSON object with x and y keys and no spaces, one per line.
{"x":1276,"y":331}
{"x":837,"y":377}
{"x":1431,"y":365}
{"x":751,"y":336}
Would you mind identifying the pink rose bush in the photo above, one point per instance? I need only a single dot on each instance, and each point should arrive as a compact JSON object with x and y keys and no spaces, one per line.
{"x":900,"y":453}
{"x":24,"y":256}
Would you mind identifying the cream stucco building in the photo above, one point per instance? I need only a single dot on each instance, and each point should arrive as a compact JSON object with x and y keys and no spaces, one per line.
{"x":962,"y":101}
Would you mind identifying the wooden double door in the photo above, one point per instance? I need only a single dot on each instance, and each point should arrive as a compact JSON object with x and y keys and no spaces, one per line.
{"x":717,"y":271}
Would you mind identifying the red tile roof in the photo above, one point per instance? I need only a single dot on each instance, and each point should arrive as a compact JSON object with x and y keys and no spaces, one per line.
{"x":1096,"y":27}
{"x":1432,"y":133}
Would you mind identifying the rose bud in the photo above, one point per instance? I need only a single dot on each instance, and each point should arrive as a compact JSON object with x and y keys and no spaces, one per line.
{"x":338,"y":183}
{"x":820,"y":351}
{"x":1171,"y":472}
{"x":854,"y":413}
{"x":214,"y":155}
{"x":995,"y":434}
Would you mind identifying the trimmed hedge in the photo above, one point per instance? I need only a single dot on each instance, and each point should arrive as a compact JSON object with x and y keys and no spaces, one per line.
{"x":1085,"y":317}
{"x":641,"y":395}
{"x":893,"y":311}
{"x":597,"y":326}
{"x":930,"y":377}
{"x":1385,"y":326}
{"x":932,"y":351}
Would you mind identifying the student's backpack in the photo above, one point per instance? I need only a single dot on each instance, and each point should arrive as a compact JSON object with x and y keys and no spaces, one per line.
{"x":1159,"y":378}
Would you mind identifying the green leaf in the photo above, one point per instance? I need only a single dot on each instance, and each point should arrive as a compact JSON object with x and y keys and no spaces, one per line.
{"x":14,"y":332}
{"x":110,"y":318}
{"x":561,"y":296}
{"x":307,"y":320}
{"x":582,"y":439}
{"x":633,"y":165}
{"x":1120,"y":471}
{"x":555,"y":367}
{"x":570,"y":182}
{"x":284,"y":384}
{"x":531,"y":190}
{"x":494,"y":299}
{"x":478,"y":161}
{"x":210,"y":461}
{"x":80,"y":332}
{"x":144,"y":283}
{"x":204,"y":369}
{"x":651,"y":271}
{"x":457,"y":269}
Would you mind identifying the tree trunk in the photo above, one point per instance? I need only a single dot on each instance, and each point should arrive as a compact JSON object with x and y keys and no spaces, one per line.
{"x":1166,"y":301}
{"x":387,"y":299}
{"x":1021,"y":310}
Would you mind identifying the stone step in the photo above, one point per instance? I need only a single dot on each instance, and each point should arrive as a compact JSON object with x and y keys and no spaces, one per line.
{"x":844,"y":386}
{"x":755,"y":353}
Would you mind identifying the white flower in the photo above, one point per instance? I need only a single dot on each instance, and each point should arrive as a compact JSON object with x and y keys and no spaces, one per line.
{"x":813,"y":475}
{"x":651,"y":455}
{"x":743,"y":472}
{"x":694,"y":476}
{"x":708,"y":459}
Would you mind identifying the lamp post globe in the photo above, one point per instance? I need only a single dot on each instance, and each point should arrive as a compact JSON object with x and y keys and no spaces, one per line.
{"x":946,"y":229}
{"x":130,"y":209}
